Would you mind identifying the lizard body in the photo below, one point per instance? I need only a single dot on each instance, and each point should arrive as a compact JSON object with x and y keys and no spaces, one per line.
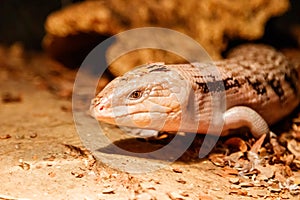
{"x":260,"y":86}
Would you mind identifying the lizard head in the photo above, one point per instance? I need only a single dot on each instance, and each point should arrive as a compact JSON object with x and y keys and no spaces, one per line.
{"x":149,"y":97}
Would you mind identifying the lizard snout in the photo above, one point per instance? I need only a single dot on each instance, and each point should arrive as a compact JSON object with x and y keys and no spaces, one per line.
{"x":99,"y":103}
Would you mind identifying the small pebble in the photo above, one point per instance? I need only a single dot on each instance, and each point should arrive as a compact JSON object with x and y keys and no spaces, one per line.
{"x":147,"y":185}
{"x":175,"y":196}
{"x":143,"y":196}
{"x":274,"y":189}
{"x":10,"y":98}
{"x":184,"y":193}
{"x":246,"y":184}
{"x":108,"y":190}
{"x":77,"y":175}
{"x":177,"y":170}
{"x":234,"y":180}
{"x":235,"y":186}
{"x":7,"y":136}
{"x":33,"y":135}
{"x":19,"y":137}
{"x":52,"y":174}
{"x":24,"y":165}
{"x":180,"y":180}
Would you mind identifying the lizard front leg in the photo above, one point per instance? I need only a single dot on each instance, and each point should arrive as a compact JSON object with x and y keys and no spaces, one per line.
{"x":242,"y":116}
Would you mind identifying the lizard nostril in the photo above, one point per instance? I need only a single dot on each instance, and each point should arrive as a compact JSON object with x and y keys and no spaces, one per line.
{"x":101,"y":107}
{"x":96,"y":101}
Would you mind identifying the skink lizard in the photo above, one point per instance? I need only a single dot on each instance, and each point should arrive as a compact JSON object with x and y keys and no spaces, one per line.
{"x":261,"y":87}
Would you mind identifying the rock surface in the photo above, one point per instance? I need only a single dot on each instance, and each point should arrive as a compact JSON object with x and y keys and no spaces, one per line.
{"x":81,"y":26}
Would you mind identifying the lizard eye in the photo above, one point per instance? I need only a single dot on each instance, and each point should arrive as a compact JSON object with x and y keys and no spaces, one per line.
{"x":136,"y":94}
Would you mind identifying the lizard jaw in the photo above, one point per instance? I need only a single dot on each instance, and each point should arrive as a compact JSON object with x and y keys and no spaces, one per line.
{"x":102,"y":115}
{"x":120,"y":116}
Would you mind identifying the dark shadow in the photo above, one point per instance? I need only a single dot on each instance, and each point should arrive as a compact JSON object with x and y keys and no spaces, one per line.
{"x":286,"y":123}
{"x":72,"y":50}
{"x":148,"y":148}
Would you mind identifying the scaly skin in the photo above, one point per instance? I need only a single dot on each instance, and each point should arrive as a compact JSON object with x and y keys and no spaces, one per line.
{"x":260,"y":87}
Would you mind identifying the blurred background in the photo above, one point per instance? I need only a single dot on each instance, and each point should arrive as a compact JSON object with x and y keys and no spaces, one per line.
{"x":271,"y":22}
{"x":23,"y":21}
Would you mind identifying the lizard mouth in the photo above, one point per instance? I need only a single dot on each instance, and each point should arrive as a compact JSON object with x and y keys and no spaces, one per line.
{"x":123,"y":117}
{"x":113,"y":115}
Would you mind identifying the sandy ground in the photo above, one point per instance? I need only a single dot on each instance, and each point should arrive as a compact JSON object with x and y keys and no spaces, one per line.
{"x":42,"y":156}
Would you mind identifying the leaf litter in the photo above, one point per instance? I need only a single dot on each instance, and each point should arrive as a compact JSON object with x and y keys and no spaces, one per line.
{"x":271,"y":163}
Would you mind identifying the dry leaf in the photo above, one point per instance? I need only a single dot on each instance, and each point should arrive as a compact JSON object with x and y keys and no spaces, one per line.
{"x":284,"y":138}
{"x":268,"y":171}
{"x":218,"y":159}
{"x":261,"y":177}
{"x":294,"y":147}
{"x":257,"y":145}
{"x":296,"y":180}
{"x":288,"y":171}
{"x":263,"y":152}
{"x":296,"y":127}
{"x":288,"y":159}
{"x":236,"y":143}
{"x":296,"y":135}
{"x":231,"y":171}
{"x":234,"y":157}
{"x":296,"y":162}
{"x":279,"y":176}
{"x":277,"y":148}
